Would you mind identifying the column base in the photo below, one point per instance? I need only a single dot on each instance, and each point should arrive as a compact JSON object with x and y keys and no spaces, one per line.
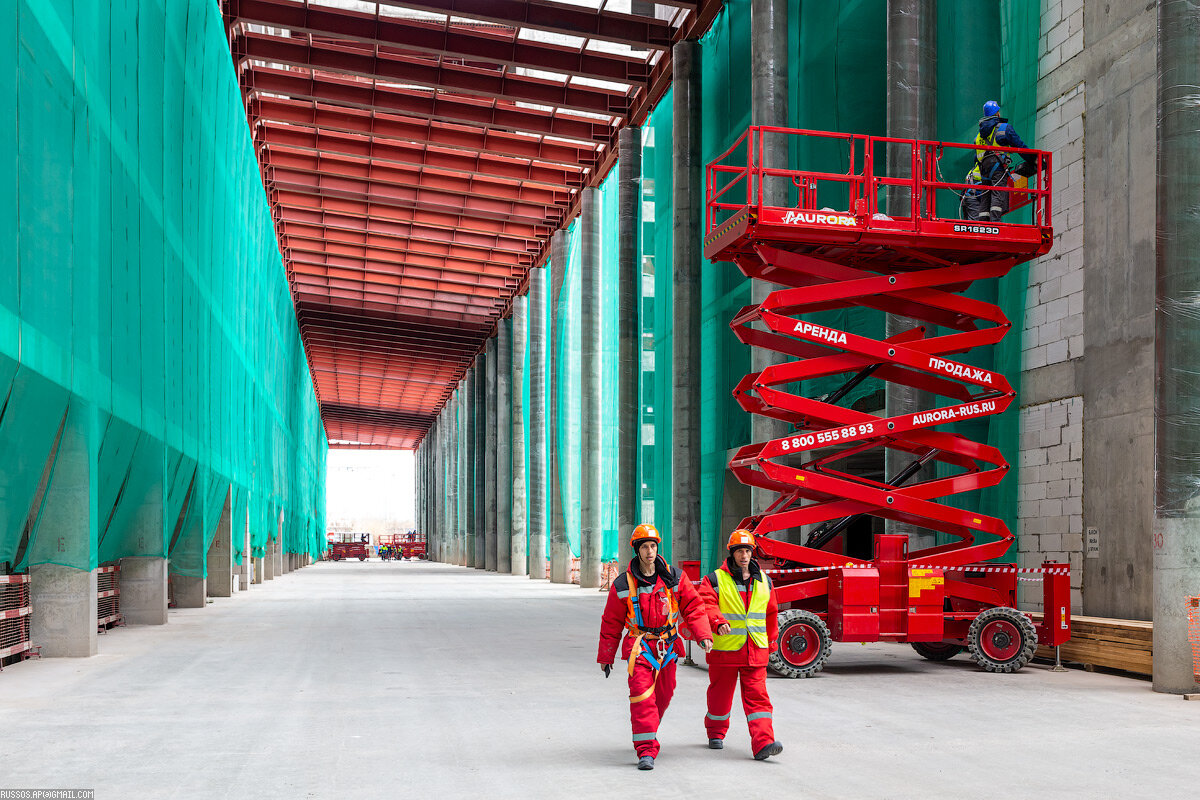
{"x":188,"y":591}
{"x":144,"y":590}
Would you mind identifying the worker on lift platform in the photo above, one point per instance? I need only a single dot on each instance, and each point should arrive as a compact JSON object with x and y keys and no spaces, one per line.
{"x":992,"y":168}
{"x":647,"y":600}
{"x":742,"y":610}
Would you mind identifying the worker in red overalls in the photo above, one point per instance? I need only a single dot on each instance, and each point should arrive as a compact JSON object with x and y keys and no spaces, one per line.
{"x":647,"y":600}
{"x":742,"y":610}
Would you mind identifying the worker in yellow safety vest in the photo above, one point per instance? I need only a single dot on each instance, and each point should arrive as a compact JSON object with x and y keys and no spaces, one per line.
{"x":745,"y":618}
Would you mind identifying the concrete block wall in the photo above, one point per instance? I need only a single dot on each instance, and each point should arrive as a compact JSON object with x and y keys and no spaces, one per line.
{"x":1087,"y":423}
{"x":1050,"y":504}
{"x":1061,"y":33}
{"x":1053,"y":331}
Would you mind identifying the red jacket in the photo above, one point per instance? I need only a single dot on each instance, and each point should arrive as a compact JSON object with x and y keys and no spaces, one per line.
{"x":750,"y":655}
{"x":655,"y":610}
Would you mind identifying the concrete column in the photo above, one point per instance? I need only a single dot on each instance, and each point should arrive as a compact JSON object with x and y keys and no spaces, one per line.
{"x":453,"y":429}
{"x":911,"y":114}
{"x":537,"y":423}
{"x":520,"y":531}
{"x":560,"y":547}
{"x":464,"y":500}
{"x":687,"y":199}
{"x":279,"y":548}
{"x":469,"y":501}
{"x":63,"y":598}
{"x":440,"y":487}
{"x":144,"y":578}
{"x":241,"y":528}
{"x":504,"y":533}
{"x":189,"y":591}
{"x":144,"y":590}
{"x":768,"y":106}
{"x":489,"y":483}
{"x":64,"y":610}
{"x":260,"y":569}
{"x":479,"y":492}
{"x":1175,"y":540}
{"x":629,"y":279}
{"x":591,"y":436}
{"x":220,"y":552}
{"x":269,"y":573}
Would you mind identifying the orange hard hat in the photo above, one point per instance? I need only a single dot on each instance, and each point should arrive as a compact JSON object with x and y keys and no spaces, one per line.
{"x":740,"y":538}
{"x":644,"y":533}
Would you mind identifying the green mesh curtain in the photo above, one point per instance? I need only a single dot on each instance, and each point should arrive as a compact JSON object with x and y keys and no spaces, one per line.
{"x":149,"y":351}
{"x":654,"y":454}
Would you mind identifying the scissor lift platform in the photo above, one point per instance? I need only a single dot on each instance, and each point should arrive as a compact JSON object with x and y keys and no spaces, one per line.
{"x":830,"y":240}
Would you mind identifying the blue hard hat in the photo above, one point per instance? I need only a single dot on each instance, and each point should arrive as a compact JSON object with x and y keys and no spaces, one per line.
{"x":991,"y":108}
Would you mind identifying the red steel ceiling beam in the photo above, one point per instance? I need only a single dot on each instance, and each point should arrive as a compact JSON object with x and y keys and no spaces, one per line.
{"x":431,"y":297}
{"x":381,"y":247}
{"x":542,"y":15}
{"x":439,"y":37}
{"x":450,"y":313}
{"x":394,"y":356}
{"x":332,"y":188}
{"x":426,"y":373}
{"x":272,"y":136}
{"x":482,"y":112}
{"x":410,"y":266}
{"x":393,"y":319}
{"x":429,"y":218}
{"x":319,"y":263}
{"x":325,"y":117}
{"x":375,"y":173}
{"x":408,"y":71}
{"x":341,"y":227}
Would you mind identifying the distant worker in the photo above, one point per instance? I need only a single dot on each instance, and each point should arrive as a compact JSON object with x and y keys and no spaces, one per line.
{"x":992,"y":168}
{"x":742,"y":611}
{"x":647,"y":601}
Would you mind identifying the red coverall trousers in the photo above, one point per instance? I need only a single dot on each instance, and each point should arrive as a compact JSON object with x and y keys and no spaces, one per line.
{"x":648,"y":701}
{"x":721,"y":682}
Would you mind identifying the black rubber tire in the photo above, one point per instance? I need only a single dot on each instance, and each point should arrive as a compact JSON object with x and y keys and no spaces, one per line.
{"x":1025,"y":646}
{"x":937,"y":651}
{"x":788,"y":620}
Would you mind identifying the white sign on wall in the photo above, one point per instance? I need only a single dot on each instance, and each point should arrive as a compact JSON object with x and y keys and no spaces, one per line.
{"x":1091,"y":545}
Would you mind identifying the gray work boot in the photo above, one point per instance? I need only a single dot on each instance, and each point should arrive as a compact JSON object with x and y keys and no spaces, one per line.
{"x":773,"y":749}
{"x":646,"y":762}
{"x":715,"y":744}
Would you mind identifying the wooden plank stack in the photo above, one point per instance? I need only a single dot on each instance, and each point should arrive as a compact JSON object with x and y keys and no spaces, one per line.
{"x":1123,"y":644}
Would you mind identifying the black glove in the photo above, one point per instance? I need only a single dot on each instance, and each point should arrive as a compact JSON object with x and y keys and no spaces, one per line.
{"x":1026,"y":168}
{"x":607,"y":669}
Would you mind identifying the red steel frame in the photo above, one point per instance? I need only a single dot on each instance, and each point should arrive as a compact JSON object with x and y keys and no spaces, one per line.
{"x":108,"y":597}
{"x":915,"y":265}
{"x":15,"y":611}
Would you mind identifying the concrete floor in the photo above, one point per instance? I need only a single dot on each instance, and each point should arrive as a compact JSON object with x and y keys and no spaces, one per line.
{"x":420,"y":680}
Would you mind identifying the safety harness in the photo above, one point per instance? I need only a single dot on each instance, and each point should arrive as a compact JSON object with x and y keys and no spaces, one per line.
{"x":985,"y":157}
{"x":662,"y":652}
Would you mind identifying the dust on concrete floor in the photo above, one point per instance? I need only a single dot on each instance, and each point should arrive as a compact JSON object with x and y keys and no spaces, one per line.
{"x":412,"y":679}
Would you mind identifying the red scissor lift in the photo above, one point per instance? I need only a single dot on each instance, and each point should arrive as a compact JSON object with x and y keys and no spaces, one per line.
{"x":913,"y":263}
{"x":412,"y":545}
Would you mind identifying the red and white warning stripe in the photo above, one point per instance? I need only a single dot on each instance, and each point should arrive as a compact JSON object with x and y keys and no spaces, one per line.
{"x":1063,"y":570}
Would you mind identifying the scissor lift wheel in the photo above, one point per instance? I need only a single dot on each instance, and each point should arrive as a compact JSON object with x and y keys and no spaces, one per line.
{"x":804,"y":644}
{"x":1002,"y":639}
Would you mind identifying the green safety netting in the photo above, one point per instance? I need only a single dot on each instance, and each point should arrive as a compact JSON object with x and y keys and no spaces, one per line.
{"x":150,"y":358}
{"x":566,"y":392}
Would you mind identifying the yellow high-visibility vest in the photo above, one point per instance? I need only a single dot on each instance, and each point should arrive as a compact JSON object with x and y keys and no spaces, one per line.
{"x":742,"y":621}
{"x":981,"y":152}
